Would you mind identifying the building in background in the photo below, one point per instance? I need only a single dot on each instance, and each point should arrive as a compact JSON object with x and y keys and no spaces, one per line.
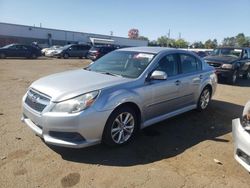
{"x":14,"y":33}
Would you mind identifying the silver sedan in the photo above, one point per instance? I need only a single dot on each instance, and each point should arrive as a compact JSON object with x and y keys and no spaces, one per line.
{"x":122,"y":92}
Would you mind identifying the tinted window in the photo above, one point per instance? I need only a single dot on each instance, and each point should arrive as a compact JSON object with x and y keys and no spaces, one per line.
{"x":168,"y":64}
{"x":189,"y":63}
{"x":73,"y":48}
{"x":20,"y":47}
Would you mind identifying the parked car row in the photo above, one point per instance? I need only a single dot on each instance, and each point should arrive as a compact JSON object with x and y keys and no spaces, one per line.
{"x":80,"y":51}
{"x":67,"y":51}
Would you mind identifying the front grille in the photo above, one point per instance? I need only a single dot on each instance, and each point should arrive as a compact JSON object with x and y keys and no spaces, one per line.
{"x":36,"y":100}
{"x":214,"y":64}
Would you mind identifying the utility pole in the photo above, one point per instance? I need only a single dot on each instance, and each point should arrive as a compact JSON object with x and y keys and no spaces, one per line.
{"x":180,"y":35}
{"x":168,"y":38}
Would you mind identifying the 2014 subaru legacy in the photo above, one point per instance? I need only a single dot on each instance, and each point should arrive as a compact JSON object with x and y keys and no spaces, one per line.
{"x":120,"y":93}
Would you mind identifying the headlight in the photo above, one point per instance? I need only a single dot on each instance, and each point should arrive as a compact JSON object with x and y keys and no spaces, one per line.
{"x":246,"y":117}
{"x":76,"y":104}
{"x":227,"y":66}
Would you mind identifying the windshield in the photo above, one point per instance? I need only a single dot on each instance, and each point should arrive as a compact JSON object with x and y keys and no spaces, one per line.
{"x":227,"y":52}
{"x":7,"y":46}
{"x":123,"y":63}
{"x":65,"y":47}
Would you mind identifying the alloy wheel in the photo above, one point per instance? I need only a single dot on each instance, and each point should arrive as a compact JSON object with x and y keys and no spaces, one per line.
{"x":122,"y":127}
{"x":204,"y":99}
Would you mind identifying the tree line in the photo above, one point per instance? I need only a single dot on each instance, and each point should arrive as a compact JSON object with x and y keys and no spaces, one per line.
{"x":239,"y":40}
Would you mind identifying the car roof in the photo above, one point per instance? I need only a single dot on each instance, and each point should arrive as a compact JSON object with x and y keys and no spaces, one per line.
{"x":154,"y":50}
{"x":231,"y":47}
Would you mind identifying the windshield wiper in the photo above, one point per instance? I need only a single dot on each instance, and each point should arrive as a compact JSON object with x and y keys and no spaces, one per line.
{"x":109,"y":73}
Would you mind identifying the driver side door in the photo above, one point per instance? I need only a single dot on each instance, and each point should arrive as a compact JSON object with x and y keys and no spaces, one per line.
{"x":164,"y":93}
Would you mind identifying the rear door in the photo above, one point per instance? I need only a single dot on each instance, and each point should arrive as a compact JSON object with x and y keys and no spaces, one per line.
{"x":72,"y":51}
{"x":85,"y":50}
{"x":190,"y":79}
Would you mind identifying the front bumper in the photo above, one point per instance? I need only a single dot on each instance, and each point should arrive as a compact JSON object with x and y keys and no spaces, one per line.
{"x":224,"y":72}
{"x":76,"y":130}
{"x":241,"y":144}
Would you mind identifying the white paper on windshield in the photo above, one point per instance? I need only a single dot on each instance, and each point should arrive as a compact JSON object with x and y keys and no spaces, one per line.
{"x":143,"y":55}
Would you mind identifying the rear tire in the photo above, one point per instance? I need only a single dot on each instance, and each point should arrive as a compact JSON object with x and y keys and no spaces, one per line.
{"x":2,"y":56}
{"x":204,"y":99}
{"x":121,"y":127}
{"x":33,"y":56}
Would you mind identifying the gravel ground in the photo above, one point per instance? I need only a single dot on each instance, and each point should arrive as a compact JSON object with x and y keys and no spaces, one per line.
{"x":178,"y":152}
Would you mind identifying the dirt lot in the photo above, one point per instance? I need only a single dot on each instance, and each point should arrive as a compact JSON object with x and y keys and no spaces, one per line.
{"x":179,"y":152}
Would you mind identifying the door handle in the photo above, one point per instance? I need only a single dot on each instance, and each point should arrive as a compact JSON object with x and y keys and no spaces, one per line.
{"x":201,"y":77}
{"x":177,"y":82}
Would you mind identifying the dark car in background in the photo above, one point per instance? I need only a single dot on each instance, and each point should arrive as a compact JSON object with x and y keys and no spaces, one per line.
{"x":72,"y":50}
{"x":202,"y":54}
{"x":230,"y":63}
{"x":19,"y":50}
{"x":98,"y":51}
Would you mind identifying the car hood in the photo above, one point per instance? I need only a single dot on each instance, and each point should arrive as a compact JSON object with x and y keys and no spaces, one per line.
{"x":66,"y":85}
{"x":221,"y":59}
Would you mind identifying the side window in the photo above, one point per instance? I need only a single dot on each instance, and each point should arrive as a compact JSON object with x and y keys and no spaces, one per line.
{"x":85,"y":47}
{"x":73,"y":48}
{"x":190,"y":63}
{"x":14,"y":47}
{"x":245,"y":55}
{"x":168,"y":64}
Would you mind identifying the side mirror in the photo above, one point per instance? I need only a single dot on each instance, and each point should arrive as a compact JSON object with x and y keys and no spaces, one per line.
{"x":158,"y":75}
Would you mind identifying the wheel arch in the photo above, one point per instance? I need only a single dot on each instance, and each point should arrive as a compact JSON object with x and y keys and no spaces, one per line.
{"x":133,"y":106}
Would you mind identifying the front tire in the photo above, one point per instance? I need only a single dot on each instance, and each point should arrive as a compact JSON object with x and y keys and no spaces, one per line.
{"x":247,"y":74}
{"x":120,"y":127}
{"x":233,"y":78}
{"x":66,"y":56}
{"x":204,"y":99}
{"x":2,"y":56}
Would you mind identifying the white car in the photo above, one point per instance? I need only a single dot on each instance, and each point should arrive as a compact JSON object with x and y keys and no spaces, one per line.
{"x":241,"y":136}
{"x":47,"y":51}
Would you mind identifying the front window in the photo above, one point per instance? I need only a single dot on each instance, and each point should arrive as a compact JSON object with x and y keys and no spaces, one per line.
{"x":168,"y":64}
{"x":123,"y":63}
{"x":234,"y":52}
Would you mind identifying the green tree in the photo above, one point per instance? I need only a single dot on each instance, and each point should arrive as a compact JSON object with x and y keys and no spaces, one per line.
{"x":229,"y":41}
{"x":180,"y":43}
{"x":163,"y":41}
{"x":198,"y":45}
{"x":210,"y":44}
{"x":143,"y":38}
{"x":241,"y":40}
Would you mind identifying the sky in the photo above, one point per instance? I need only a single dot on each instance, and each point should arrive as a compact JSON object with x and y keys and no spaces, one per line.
{"x":194,"y":20}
